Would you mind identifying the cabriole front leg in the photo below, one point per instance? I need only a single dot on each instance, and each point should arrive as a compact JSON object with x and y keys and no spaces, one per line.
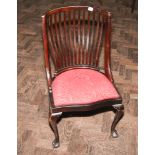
{"x":118,"y":115}
{"x":53,"y":119}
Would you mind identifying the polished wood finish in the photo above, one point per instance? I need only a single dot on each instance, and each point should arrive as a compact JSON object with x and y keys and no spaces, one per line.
{"x":74,"y":37}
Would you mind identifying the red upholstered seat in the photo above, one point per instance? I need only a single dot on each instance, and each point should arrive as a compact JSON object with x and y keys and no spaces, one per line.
{"x":82,"y":86}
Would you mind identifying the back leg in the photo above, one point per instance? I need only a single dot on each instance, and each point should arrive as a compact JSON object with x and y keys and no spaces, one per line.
{"x":119,"y":114}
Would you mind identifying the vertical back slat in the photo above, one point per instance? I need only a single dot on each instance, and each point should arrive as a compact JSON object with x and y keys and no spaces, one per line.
{"x":70,"y":39}
{"x":79,"y":50}
{"x":83,"y":37}
{"x":74,"y":38}
{"x":89,"y":46}
{"x":54,"y":42}
{"x":52,"y":50}
{"x":99,"y":41}
{"x":62,"y":40}
{"x":92,"y":39}
{"x":87,"y":42}
{"x":96,"y":37}
{"x":65,"y":40}
{"x":57,"y":39}
{"x":67,"y":14}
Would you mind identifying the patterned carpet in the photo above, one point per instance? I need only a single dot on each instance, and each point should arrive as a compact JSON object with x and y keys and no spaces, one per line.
{"x":88,"y":134}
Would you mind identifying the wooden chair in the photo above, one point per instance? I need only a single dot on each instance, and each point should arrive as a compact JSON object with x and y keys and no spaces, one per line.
{"x":74,"y":38}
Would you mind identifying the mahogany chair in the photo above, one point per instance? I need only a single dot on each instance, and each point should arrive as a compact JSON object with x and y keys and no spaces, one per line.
{"x":74,"y":38}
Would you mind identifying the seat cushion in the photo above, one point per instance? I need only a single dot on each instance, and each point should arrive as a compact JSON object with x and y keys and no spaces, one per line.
{"x":82,"y":86}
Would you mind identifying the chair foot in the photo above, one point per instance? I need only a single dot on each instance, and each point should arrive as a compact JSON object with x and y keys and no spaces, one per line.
{"x":119,"y":114}
{"x":114,"y":134}
{"x":53,"y":118}
{"x":56,"y":143}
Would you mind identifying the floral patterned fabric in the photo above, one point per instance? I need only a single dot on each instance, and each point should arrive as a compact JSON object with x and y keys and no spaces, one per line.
{"x":82,"y":86}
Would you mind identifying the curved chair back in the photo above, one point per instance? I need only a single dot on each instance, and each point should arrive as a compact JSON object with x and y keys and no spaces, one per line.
{"x":75,"y":36}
